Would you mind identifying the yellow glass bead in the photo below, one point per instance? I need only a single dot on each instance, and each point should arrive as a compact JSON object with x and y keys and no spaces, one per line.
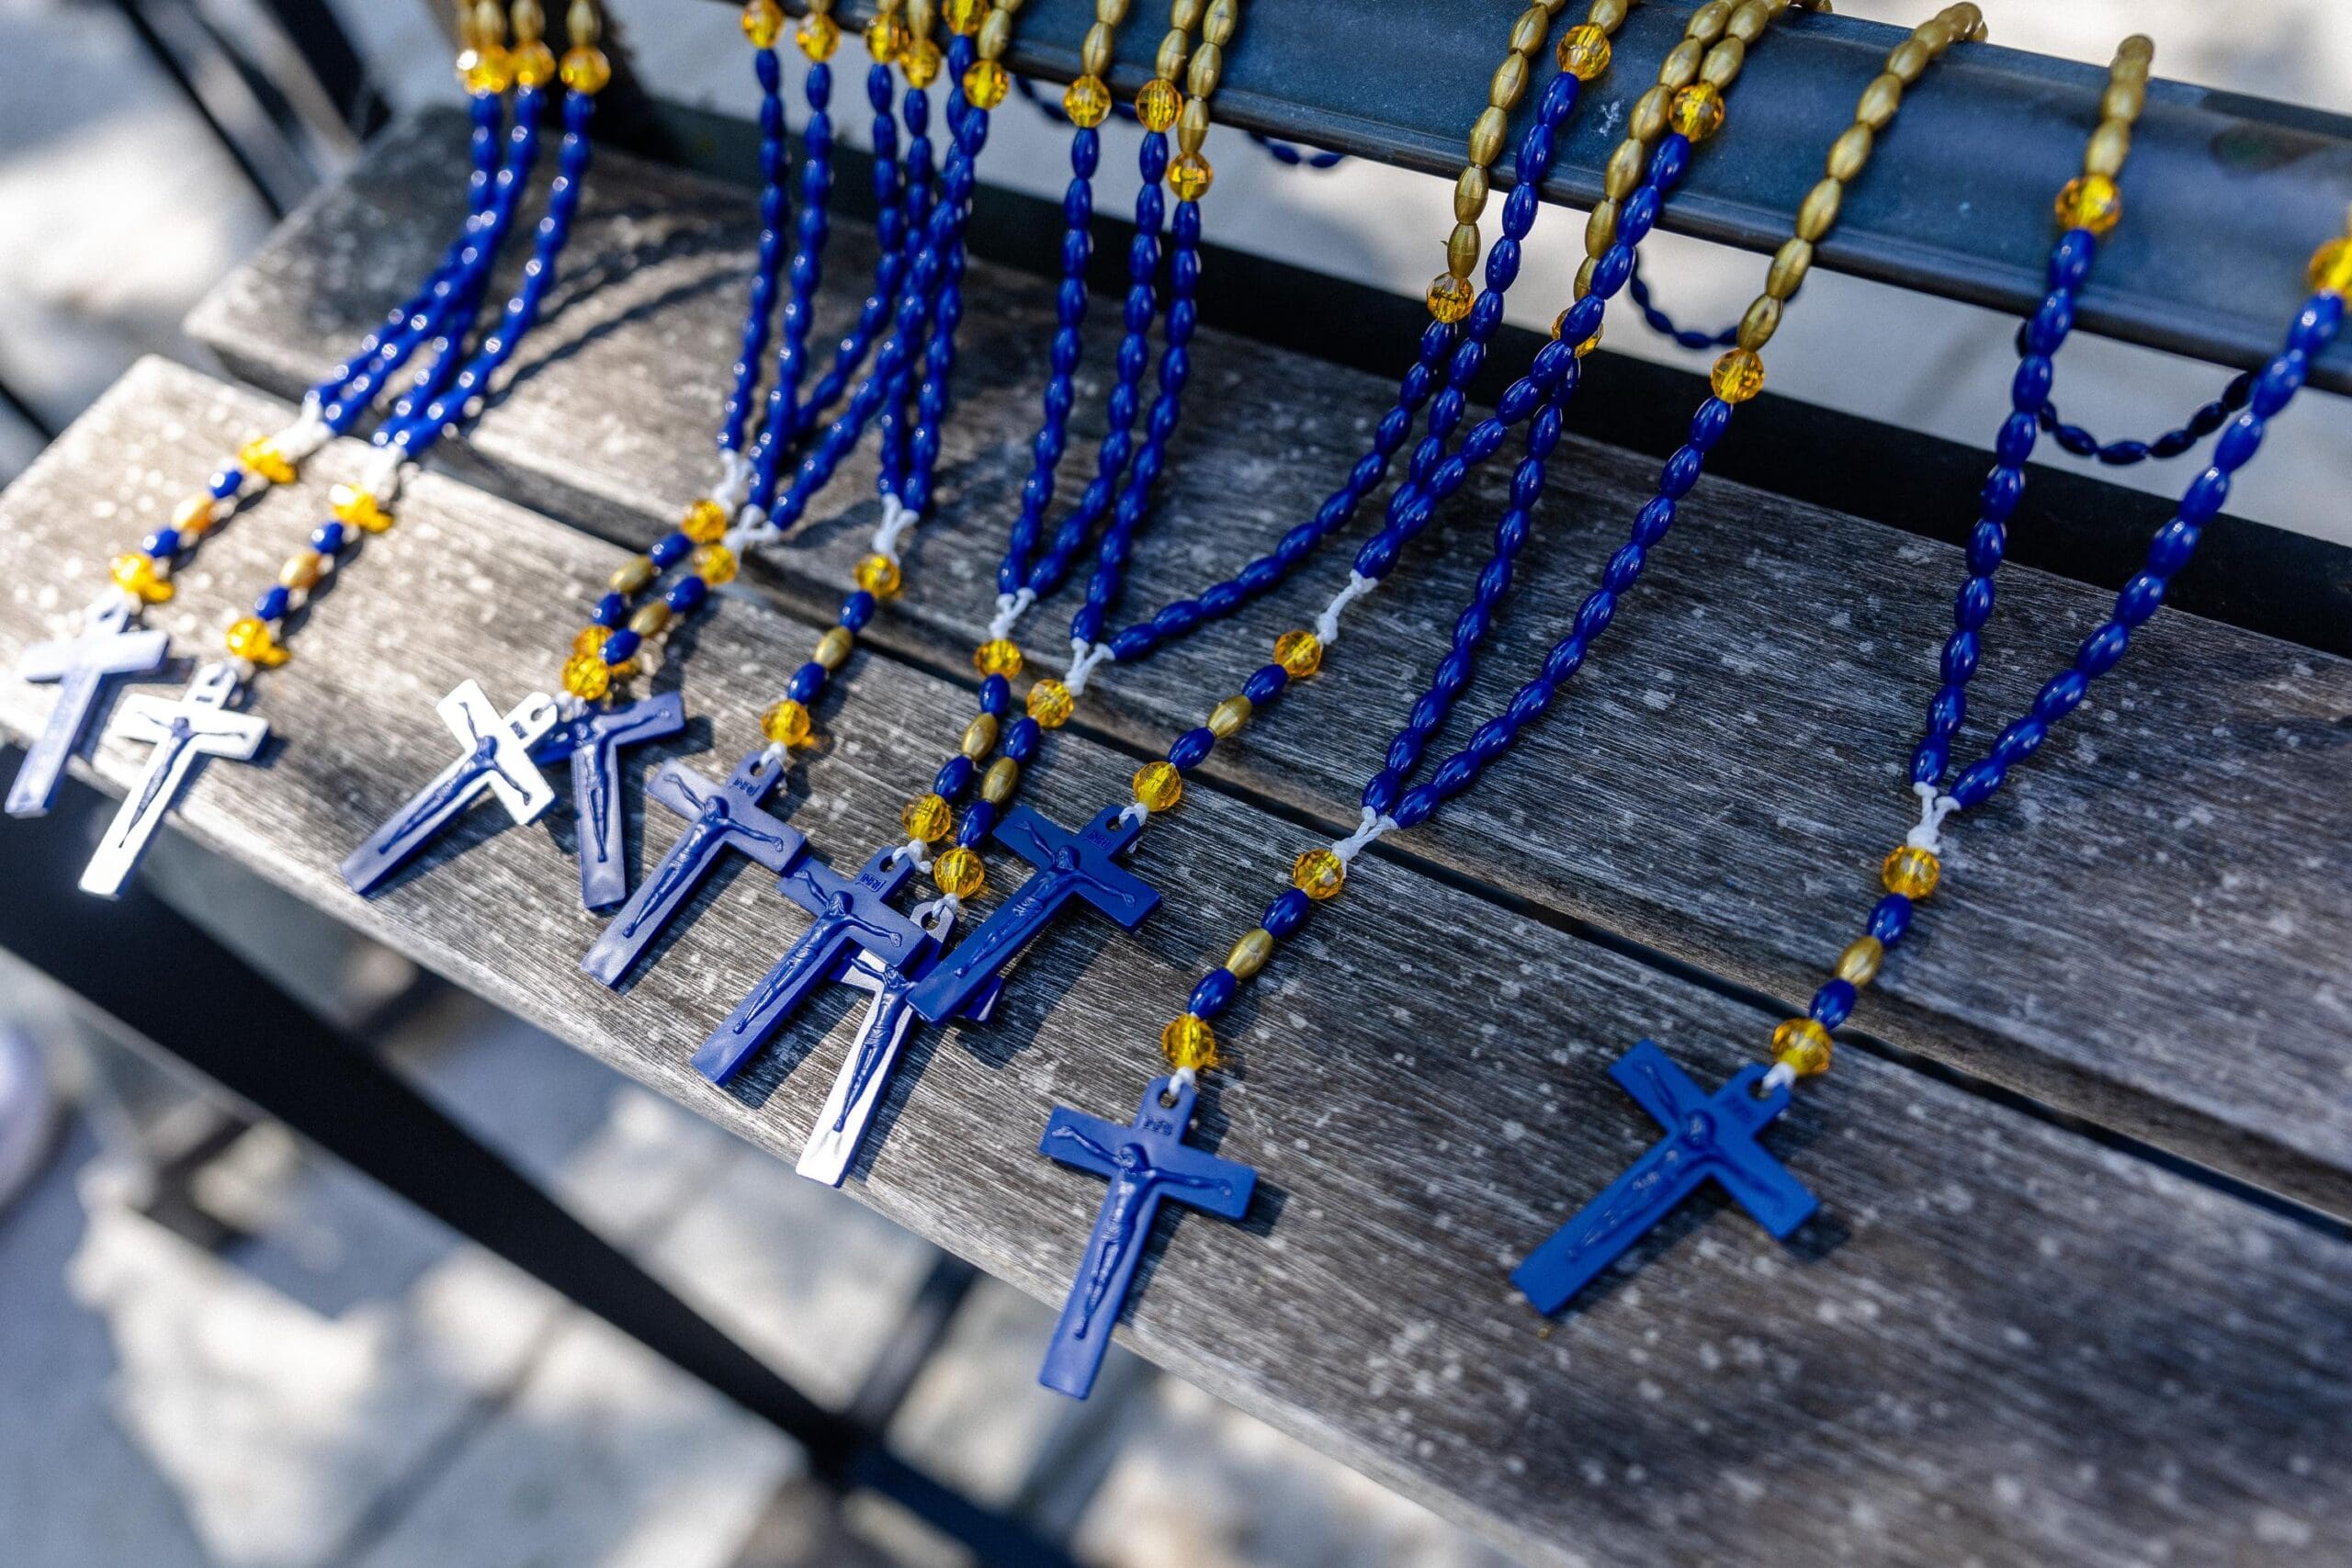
{"x":250,"y":639}
{"x":1300,"y":654}
{"x":1088,"y":101}
{"x":1858,"y":966}
{"x":135,"y":574}
{"x":2089,"y":202}
{"x":964,"y":16}
{"x":1320,"y":874}
{"x":586,"y":70}
{"x":357,"y":508}
{"x":715,"y":564}
{"x":1158,"y":786}
{"x":1189,"y":1042}
{"x":588,"y":639}
{"x":886,"y":39}
{"x":818,"y":36}
{"x":986,"y":83}
{"x":1584,"y":51}
{"x":586,"y":676}
{"x":1050,"y":704}
{"x":1804,"y":1046}
{"x":534,"y":64}
{"x":1697,"y":111}
{"x":959,"y":871}
{"x":763,"y":23}
{"x":263,"y":458}
{"x":1159,"y":104}
{"x":705,"y":522}
{"x":1450,"y":298}
{"x":1190,"y":175}
{"x":928,"y":817}
{"x":2331,"y":268}
{"x":787,"y":723}
{"x":1227,"y":718}
{"x":1911,"y":872}
{"x":998,"y":656}
{"x":1737,"y":375}
{"x":1249,"y":954}
{"x":486,"y":71}
{"x":920,"y":60}
{"x":878,"y":575}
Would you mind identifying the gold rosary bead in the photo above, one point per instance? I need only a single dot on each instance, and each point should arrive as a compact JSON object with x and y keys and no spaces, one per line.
{"x":1748,"y":22}
{"x":986,"y":82}
{"x":818,"y":35}
{"x":763,"y":23}
{"x":1088,"y":101}
{"x":1200,"y":76}
{"x":2089,"y":202}
{"x":1319,"y":874}
{"x":1192,"y":124}
{"x":1803,"y":1046}
{"x":1050,"y":704}
{"x":979,"y":736}
{"x":1185,"y":15}
{"x":1300,"y":653}
{"x":1470,"y":194}
{"x":1599,"y":227}
{"x":1461,"y":248}
{"x":1190,"y":175}
{"x":928,"y":817}
{"x":1698,"y":111}
{"x":1584,"y":276}
{"x":1227,"y":718}
{"x":963,"y":16}
{"x":1850,"y":153}
{"x":2109,"y":146}
{"x":998,"y":656}
{"x":1709,"y":21}
{"x":1880,"y":100}
{"x":582,"y":25}
{"x":787,"y":723}
{"x":1189,"y":1044}
{"x":1249,"y":954}
{"x":959,"y":873}
{"x":1909,"y":61}
{"x":530,"y":20}
{"x":1450,"y":298}
{"x":920,"y":60}
{"x":1218,"y":26}
{"x":633,"y":576}
{"x":192,"y":518}
{"x":1159,"y":104}
{"x":1527,"y":33}
{"x":1721,"y":68}
{"x":1584,"y":51}
{"x":1169,"y":63}
{"x":1487,"y":136}
{"x":1761,"y":320}
{"x":834,"y":648}
{"x":2123,"y":101}
{"x":1647,"y":122}
{"x":2331,"y":268}
{"x":1790,"y":264}
{"x":302,"y":570}
{"x":1621,"y":175}
{"x":1508,"y":82}
{"x":1911,"y":872}
{"x":1606,"y":15}
{"x":1094,"y":54}
{"x":1858,"y":966}
{"x":997,"y":784}
{"x":651,"y":619}
{"x":1680,"y":67}
{"x":1819,"y":211}
{"x":886,"y":39}
{"x":534,"y":64}
{"x":588,"y":71}
{"x":1158,"y":786}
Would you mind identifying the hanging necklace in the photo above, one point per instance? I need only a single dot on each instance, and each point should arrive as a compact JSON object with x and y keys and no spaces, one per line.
{"x":1715,"y":1138}
{"x":111,"y":643}
{"x":1148,"y":1159}
{"x":205,"y":722}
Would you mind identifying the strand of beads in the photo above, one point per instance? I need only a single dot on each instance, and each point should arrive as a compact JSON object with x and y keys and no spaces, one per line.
{"x":2208,"y":418}
{"x":1320,"y":874}
{"x":893,"y":422}
{"x":762,"y":25}
{"x":896,"y":231}
{"x":1657,"y":320}
{"x":1803,"y":1046}
{"x":1450,"y":293}
{"x":818,"y":35}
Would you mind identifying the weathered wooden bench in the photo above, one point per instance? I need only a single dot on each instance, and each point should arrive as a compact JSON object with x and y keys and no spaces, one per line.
{"x":2051,"y":1313}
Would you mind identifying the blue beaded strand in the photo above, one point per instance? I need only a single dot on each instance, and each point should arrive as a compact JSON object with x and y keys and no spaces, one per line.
{"x":808,"y":252}
{"x":1045,"y":448}
{"x":1659,"y":321}
{"x":776,"y":203}
{"x":896,"y":236}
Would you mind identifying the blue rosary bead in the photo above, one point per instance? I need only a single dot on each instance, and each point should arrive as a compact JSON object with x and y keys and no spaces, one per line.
{"x":1890,"y":917}
{"x":996,"y":695}
{"x":954,"y":776}
{"x":669,"y":550}
{"x":1021,"y":742}
{"x":612,"y":610}
{"x":271,"y":605}
{"x":978,"y":821}
{"x":327,"y":539}
{"x":1192,"y":748}
{"x":1214,"y":994}
{"x":2060,"y":695}
{"x":1286,"y":913}
{"x":1832,"y":1004}
{"x":226,"y":483}
{"x":2099,"y":651}
{"x":806,"y":682}
{"x":686,"y":593}
{"x":858,"y":610}
{"x":162,"y":543}
{"x":1265,"y":683}
{"x":619,"y":648}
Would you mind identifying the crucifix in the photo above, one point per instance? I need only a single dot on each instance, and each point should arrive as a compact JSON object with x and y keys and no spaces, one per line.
{"x":107,"y":646}
{"x":719,"y":818}
{"x":1069,"y":865}
{"x":1708,"y":1139}
{"x":183,"y":732}
{"x":865,"y":1072}
{"x":1146,"y":1161}
{"x":593,"y":737}
{"x":850,"y":913}
{"x":494,"y":756}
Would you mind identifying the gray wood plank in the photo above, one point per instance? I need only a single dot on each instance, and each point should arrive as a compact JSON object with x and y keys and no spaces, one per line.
{"x":1721,"y":782}
{"x":2002,"y":1343}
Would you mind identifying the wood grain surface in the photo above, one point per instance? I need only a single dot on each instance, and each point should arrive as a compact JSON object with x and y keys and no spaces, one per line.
{"x":2145,"y":930}
{"x":2001,"y":1342}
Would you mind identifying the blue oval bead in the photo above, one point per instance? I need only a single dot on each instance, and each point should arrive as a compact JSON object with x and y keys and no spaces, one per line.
{"x":1978,"y":782}
{"x":1192,"y":748}
{"x":1214,"y":994}
{"x":954,"y":777}
{"x":996,"y":695}
{"x":1890,"y":919}
{"x":806,"y":682}
{"x":271,"y":606}
{"x":1021,"y":740}
{"x":1265,"y":683}
{"x":611,"y":610}
{"x":1832,"y":1004}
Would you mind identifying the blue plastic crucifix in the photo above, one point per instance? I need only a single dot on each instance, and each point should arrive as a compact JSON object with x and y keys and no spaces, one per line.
{"x":1708,"y":1139}
{"x":593,"y":738}
{"x":496,"y":756}
{"x":1069,"y":865}
{"x":850,"y":914}
{"x":1145,"y":1161}
{"x":719,"y":818}
{"x":865,"y":1071}
{"x":81,"y":665}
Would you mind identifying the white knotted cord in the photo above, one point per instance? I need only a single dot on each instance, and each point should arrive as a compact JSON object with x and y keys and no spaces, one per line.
{"x":1327,"y":625}
{"x":387,"y":466}
{"x":1085,"y":658}
{"x":734,"y":479}
{"x":1373,"y":825}
{"x":919,"y":852}
{"x":1780,"y":1076}
{"x":1010,"y":608}
{"x":1933,"y":809}
{"x":896,"y":520}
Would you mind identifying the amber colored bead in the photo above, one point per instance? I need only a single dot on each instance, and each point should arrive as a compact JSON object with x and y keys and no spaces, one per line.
{"x":250,"y":639}
{"x":1319,"y":874}
{"x":964,"y":16}
{"x":986,"y":83}
{"x":1249,"y":954}
{"x":588,"y":639}
{"x":1858,"y":966}
{"x":928,"y":817}
{"x":354,"y":506}
{"x":1300,"y":654}
{"x":1158,"y":786}
{"x":787,"y":723}
{"x":534,"y":64}
{"x":192,"y":518}
{"x":886,"y":39}
{"x":263,"y":458}
{"x":959,"y":871}
{"x":1450,"y":298}
{"x":1189,"y":1042}
{"x":1088,"y":101}
{"x":586,"y":70}
{"x":921,"y":62}
{"x":998,"y":656}
{"x":585,"y":676}
{"x":1697,"y":111}
{"x":1227,"y":718}
{"x":1737,"y":375}
{"x":705,"y":522}
{"x":834,"y":648}
{"x":136,"y":574}
{"x":999,"y":783}
{"x":1190,"y":176}
{"x":979,"y":736}
{"x":763,"y":23}
{"x":1159,"y":104}
{"x":878,"y":575}
{"x":486,"y":71}
{"x":2331,"y":268}
{"x":1911,"y":872}
{"x":1804,"y":1046}
{"x":1584,"y":51}
{"x":818,"y":36}
{"x":1050,"y":704}
{"x":715,"y":564}
{"x":2089,"y":202}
